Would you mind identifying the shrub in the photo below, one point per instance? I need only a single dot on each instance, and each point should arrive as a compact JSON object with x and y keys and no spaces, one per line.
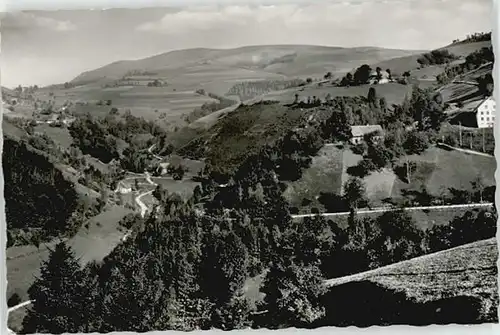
{"x":14,"y":300}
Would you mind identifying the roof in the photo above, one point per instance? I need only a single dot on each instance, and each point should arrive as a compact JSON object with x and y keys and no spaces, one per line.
{"x":478,"y":103}
{"x":433,"y":276}
{"x":359,"y":131}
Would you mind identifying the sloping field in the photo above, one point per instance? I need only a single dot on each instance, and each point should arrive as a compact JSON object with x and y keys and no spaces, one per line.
{"x":328,"y":174}
{"x":465,"y":87}
{"x":23,"y":262}
{"x":464,"y":49}
{"x":456,"y":92}
{"x":378,"y":184}
{"x":438,"y":169}
{"x":193,"y":166}
{"x":324,"y":175}
{"x":148,"y":102}
{"x":184,"y":187}
{"x":458,"y":285}
{"x":242,"y":132}
{"x":11,"y":130}
{"x":465,"y":270}
{"x":101,"y":237}
{"x":59,"y":135}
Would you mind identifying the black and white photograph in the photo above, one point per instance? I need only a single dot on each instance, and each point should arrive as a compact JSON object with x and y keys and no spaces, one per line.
{"x":219,"y":166}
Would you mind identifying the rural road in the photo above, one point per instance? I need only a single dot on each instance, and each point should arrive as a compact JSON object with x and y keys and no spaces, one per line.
{"x":150,"y":150}
{"x":388,"y":209}
{"x":465,"y":82}
{"x":138,"y":200}
{"x":467,"y":151}
{"x":13,"y":308}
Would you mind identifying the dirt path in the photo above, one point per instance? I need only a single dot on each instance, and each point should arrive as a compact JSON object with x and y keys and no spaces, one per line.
{"x":467,"y":151}
{"x":150,"y":150}
{"x":13,"y":308}
{"x":389,"y":209}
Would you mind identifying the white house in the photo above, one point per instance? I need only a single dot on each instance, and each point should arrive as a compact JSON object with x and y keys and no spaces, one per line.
{"x":359,"y":132}
{"x":163,"y":168}
{"x":382,"y":78}
{"x":485,"y":113}
{"x":124,"y":189}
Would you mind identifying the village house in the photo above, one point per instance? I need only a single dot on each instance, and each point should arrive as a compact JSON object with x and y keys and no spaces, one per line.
{"x":476,"y":114}
{"x":485,"y":113}
{"x":124,"y":189}
{"x":162,"y":168}
{"x":381,"y":77}
{"x":359,"y":133}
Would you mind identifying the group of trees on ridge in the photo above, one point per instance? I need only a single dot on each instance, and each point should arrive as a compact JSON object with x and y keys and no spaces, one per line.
{"x":472,"y":61}
{"x":476,"y":37}
{"x":363,"y":74}
{"x":436,"y":57}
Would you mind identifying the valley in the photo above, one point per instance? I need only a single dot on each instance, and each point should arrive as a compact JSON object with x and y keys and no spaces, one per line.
{"x":213,"y":165}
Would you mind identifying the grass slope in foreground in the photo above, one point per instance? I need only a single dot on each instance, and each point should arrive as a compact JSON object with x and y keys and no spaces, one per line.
{"x":457,"y":285}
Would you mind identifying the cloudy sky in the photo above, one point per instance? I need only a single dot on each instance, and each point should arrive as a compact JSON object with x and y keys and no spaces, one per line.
{"x":46,"y":47}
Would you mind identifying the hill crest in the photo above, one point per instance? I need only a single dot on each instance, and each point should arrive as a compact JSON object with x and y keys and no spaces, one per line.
{"x":287,"y":60}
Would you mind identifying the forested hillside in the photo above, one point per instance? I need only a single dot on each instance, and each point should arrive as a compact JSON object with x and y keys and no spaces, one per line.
{"x":37,"y":196}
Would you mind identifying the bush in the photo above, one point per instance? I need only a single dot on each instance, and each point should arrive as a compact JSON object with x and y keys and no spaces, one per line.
{"x":14,"y":300}
{"x":473,"y":226}
{"x":359,"y":149}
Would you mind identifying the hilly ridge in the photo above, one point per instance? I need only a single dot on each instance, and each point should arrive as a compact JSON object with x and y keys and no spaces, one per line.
{"x":287,"y":60}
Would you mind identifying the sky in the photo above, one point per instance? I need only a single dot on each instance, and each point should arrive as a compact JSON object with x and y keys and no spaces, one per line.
{"x":49,"y":47}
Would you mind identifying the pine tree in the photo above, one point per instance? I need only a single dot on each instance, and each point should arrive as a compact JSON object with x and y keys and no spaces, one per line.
{"x":292,"y":295}
{"x":58,"y":295}
{"x":134,"y":296}
{"x":92,"y":313}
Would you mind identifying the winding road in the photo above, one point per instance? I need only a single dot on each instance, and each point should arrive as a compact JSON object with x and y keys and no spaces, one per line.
{"x":138,"y":200}
{"x":150,"y":150}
